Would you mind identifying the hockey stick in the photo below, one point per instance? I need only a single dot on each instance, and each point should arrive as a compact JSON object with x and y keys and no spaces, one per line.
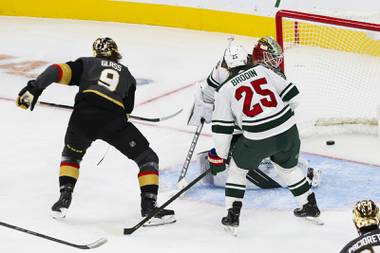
{"x":93,"y":245}
{"x":181,"y":179}
{"x":129,"y":116}
{"x":128,"y":231}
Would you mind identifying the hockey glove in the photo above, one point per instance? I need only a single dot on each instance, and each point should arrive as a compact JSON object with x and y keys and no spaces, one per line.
{"x":28,"y":96}
{"x":217,"y":164}
{"x":201,"y":110}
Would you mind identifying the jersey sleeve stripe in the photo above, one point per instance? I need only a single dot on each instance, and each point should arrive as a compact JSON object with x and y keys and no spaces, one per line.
{"x":60,"y":72}
{"x":211,"y":82}
{"x":222,"y":129}
{"x":287,"y":88}
{"x":65,"y":73}
{"x":223,"y":121}
{"x":291,"y":94}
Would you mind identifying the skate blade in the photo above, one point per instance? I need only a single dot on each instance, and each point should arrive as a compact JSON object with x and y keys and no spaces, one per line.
{"x":59,"y":215}
{"x":314,"y":220}
{"x":168,"y":219}
{"x":231,"y":230}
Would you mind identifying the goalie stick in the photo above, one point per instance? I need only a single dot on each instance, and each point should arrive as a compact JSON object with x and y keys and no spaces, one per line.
{"x":181,"y":183}
{"x":129,"y":116}
{"x":92,"y":245}
{"x":128,"y":231}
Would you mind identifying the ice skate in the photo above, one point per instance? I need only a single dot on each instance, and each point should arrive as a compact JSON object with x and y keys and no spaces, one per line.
{"x":148,"y":205}
{"x":231,"y":221}
{"x":309,"y":211}
{"x":60,"y":207}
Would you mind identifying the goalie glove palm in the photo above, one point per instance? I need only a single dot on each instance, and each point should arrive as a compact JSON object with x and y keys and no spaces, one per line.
{"x":28,"y":96}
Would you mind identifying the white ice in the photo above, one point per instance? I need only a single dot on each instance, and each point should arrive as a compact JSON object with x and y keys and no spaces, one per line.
{"x":106,"y":198}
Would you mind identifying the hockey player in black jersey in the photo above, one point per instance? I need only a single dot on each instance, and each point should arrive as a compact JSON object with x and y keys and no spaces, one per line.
{"x":105,"y":98}
{"x":366,"y":218}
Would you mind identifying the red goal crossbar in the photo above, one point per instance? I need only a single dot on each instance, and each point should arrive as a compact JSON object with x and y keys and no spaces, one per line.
{"x":318,"y":19}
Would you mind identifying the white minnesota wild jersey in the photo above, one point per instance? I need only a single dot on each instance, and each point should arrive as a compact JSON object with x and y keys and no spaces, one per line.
{"x":258,"y":101}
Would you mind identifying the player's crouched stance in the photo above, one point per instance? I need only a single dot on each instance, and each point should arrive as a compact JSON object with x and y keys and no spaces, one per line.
{"x":106,"y":95}
{"x":366,"y":218}
{"x":261,"y":103}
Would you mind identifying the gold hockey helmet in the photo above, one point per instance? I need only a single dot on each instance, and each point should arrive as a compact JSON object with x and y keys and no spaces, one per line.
{"x":106,"y":47}
{"x":365,"y":213}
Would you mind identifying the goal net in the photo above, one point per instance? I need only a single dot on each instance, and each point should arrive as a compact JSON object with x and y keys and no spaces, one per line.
{"x":335,"y":63}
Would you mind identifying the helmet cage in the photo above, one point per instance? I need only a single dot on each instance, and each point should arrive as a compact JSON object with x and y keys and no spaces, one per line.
{"x":272,"y":60}
{"x":267,"y":52}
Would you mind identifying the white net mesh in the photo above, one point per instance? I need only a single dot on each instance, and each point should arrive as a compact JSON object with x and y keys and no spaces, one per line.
{"x":337,"y":70}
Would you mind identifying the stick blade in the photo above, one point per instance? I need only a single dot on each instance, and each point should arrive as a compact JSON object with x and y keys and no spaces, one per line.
{"x":97,"y":243}
{"x":172,"y":115}
{"x":128,"y":231}
{"x":182,"y":183}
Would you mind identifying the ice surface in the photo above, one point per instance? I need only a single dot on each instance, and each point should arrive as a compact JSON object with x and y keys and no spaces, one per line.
{"x":106,"y":198}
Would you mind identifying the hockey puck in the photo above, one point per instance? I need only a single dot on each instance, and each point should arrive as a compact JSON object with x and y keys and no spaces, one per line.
{"x":330,"y":142}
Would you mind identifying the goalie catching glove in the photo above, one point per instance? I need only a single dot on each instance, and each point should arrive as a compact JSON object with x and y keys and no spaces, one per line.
{"x":201,"y":109}
{"x":28,"y":96}
{"x":217,"y":164}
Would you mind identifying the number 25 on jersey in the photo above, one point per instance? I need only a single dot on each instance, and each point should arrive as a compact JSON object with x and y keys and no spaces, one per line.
{"x":268,"y":98}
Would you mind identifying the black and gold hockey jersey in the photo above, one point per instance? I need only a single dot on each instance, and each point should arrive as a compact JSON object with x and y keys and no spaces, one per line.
{"x":363,"y":243}
{"x":101,"y":80}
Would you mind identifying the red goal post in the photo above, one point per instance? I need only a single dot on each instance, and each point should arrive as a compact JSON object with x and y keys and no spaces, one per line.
{"x":336,"y":64}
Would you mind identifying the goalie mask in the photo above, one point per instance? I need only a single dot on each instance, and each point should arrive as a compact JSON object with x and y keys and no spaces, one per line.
{"x":235,"y":56}
{"x":106,"y":47}
{"x":267,"y":52}
{"x":365,"y":214}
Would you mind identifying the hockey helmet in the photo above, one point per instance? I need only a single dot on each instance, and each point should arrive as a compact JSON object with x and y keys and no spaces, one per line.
{"x":267,"y":52}
{"x":365,"y":214}
{"x":235,"y":56}
{"x":106,"y":47}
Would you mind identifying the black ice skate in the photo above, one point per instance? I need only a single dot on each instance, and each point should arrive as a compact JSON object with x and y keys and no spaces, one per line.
{"x":148,"y":205}
{"x":60,"y":207}
{"x":309,"y":211}
{"x":231,"y":221}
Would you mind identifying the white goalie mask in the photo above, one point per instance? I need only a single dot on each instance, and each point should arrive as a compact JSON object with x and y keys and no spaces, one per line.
{"x":235,"y":56}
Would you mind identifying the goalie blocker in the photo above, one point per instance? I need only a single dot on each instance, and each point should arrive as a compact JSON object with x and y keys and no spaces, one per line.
{"x":264,"y":177}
